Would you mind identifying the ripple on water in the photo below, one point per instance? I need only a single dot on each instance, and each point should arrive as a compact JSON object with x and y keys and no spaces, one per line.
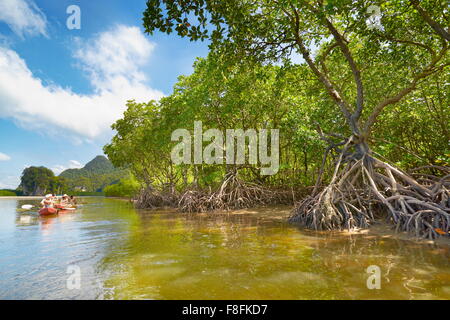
{"x":129,"y":254}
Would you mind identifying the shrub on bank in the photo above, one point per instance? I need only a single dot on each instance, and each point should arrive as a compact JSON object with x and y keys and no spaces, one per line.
{"x":7,"y":193}
{"x":125,"y":188}
{"x":87,"y":194}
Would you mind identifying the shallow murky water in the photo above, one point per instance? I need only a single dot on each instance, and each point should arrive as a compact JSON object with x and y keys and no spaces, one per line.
{"x":122,"y":253}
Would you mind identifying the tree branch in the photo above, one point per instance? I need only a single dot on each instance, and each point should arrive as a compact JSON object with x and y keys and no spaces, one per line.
{"x":322,"y":77}
{"x":355,"y":70}
{"x":427,"y":71}
{"x":433,"y":24}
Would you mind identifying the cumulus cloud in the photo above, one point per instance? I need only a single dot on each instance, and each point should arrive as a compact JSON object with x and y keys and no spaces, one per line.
{"x":73,"y":164}
{"x":4,"y":157}
{"x":114,"y":58}
{"x":111,"y":60}
{"x":23,"y":17}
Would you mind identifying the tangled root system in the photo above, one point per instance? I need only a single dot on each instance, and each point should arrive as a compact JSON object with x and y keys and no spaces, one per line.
{"x":362,"y":189}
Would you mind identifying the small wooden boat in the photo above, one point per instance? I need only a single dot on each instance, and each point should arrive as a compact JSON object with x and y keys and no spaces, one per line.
{"x":48,"y":211}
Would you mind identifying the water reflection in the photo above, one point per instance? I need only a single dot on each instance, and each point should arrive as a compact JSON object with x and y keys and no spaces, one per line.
{"x":31,"y":217}
{"x":253,"y":256}
{"x":247,"y":254}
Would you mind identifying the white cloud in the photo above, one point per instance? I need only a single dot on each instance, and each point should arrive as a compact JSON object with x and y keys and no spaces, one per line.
{"x":9,"y":182}
{"x":58,"y":169}
{"x":111,"y":60}
{"x":4,"y":157}
{"x":23,"y":17}
{"x":73,"y":164}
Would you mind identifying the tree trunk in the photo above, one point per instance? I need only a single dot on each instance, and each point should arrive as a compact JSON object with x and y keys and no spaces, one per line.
{"x":363,"y":187}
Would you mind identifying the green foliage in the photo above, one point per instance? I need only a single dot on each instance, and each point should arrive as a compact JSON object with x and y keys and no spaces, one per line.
{"x":90,"y":180}
{"x":40,"y":180}
{"x":125,"y":188}
{"x":99,"y":165}
{"x":361,"y":69}
{"x":224,"y":94}
{"x":94,"y":177}
{"x":7,"y":193}
{"x":87,"y":194}
{"x":387,"y":87}
{"x":58,"y":185}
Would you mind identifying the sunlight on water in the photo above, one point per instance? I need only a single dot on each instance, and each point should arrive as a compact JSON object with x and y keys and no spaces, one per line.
{"x":127,"y":254}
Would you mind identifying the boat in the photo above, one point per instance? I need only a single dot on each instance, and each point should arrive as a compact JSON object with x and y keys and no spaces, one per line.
{"x":48,"y":211}
{"x":65,"y":207}
{"x":66,"y":210}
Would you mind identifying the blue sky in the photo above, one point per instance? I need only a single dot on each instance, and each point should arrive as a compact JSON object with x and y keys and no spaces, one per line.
{"x":61,"y":89}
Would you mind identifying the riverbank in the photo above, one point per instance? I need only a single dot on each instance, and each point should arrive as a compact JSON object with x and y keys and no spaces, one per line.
{"x":21,"y":197}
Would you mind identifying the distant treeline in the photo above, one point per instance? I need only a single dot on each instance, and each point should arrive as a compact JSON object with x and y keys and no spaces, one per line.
{"x":10,"y":193}
{"x":90,"y":180}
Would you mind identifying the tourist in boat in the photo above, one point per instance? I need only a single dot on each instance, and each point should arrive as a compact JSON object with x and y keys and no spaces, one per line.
{"x":47,"y":202}
{"x":65,"y":200}
{"x":73,"y":201}
{"x":54,"y":198}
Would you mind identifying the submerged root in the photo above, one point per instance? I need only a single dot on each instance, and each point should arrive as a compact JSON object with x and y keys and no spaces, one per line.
{"x":363,"y":188}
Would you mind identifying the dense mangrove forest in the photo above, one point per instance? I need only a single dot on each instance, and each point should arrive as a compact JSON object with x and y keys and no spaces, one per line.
{"x":360,"y":98}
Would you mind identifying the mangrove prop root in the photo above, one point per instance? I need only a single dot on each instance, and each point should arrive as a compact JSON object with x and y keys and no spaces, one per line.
{"x":361,"y":189}
{"x":152,"y":199}
{"x":233,"y":193}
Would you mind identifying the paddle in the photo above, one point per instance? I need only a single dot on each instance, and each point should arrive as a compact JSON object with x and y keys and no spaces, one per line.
{"x":27,"y":206}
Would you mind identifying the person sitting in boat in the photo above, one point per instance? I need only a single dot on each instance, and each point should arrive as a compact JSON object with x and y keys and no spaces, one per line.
{"x":47,"y":202}
{"x":73,"y":200}
{"x":65,"y":200}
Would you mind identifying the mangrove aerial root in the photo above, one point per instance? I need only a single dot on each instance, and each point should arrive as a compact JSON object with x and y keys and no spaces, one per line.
{"x":153,"y":199}
{"x":361,"y":189}
{"x":233,"y":193}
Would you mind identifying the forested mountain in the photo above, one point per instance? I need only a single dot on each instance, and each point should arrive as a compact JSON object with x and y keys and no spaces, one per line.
{"x":39,"y":181}
{"x":94,"y":177}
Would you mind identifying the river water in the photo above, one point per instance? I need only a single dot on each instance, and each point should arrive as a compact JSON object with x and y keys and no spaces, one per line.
{"x":109,"y":250}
